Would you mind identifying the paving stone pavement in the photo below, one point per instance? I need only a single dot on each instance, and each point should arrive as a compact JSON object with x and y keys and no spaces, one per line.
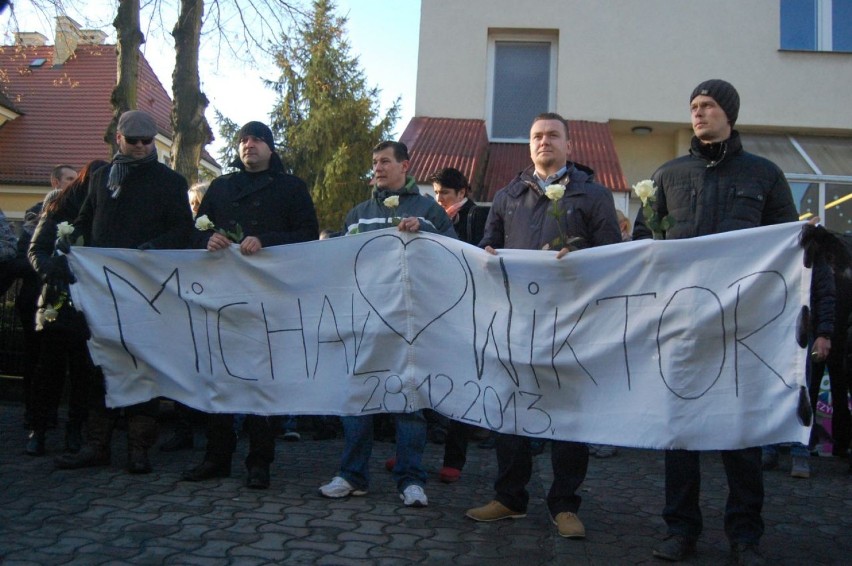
{"x":106,"y":516}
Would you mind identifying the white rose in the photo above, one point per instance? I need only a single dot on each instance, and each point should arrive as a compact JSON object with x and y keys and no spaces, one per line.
{"x":64,"y":229}
{"x":203,"y":223}
{"x":645,"y":190}
{"x":554,"y":192}
{"x":391,"y":202}
{"x":50,"y":314}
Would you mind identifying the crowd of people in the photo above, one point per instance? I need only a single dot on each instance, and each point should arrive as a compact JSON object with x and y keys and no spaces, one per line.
{"x":134,"y":201}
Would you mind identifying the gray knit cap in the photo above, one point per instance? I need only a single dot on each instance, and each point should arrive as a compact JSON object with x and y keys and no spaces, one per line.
{"x":725,"y":95}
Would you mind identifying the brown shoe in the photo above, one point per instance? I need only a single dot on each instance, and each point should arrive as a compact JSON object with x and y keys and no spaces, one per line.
{"x":494,"y":511}
{"x":569,"y":525}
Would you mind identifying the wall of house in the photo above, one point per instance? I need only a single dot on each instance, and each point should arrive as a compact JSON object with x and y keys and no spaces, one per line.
{"x":636,"y":61}
{"x":16,"y":199}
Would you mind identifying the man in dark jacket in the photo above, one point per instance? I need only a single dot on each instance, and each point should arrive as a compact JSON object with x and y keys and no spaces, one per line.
{"x":717,"y":188}
{"x":258,"y":206}
{"x":522,"y":217}
{"x":136,"y":202}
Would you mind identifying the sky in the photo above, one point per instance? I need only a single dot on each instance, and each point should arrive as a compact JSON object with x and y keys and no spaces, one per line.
{"x":383,"y":34}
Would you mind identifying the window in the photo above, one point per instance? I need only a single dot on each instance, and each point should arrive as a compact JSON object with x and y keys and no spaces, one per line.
{"x":521,"y":85}
{"x":819,"y":170}
{"x":816,"y":25}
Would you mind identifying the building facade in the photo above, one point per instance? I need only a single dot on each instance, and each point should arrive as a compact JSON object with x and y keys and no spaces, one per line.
{"x":55,"y":109}
{"x":631,"y":66}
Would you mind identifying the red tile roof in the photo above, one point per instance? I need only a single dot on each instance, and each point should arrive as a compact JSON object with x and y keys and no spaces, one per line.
{"x":435,"y":143}
{"x":462,"y":143}
{"x":66,"y":109}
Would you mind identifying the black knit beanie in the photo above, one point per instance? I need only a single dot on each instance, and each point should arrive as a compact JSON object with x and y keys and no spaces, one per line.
{"x":723,"y":93}
{"x":258,"y":130}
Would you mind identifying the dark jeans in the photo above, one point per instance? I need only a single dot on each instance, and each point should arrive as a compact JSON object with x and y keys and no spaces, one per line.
{"x":743,"y":523}
{"x":222,"y":439}
{"x":570,"y":461}
{"x":455,"y":445}
{"x":61,"y":354}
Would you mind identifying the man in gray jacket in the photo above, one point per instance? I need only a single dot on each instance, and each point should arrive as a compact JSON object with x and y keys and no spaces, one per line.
{"x":396,"y":200}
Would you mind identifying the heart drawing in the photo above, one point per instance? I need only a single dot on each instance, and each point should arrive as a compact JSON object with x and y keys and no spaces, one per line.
{"x":387,"y":280}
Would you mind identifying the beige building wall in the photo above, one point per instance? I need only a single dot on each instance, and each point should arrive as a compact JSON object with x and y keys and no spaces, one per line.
{"x":635,"y":60}
{"x":634,"y":63}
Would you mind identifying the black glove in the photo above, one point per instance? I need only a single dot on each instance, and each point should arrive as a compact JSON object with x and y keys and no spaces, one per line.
{"x":63,"y":244}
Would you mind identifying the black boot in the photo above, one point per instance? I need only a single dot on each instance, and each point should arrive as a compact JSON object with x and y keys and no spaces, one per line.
{"x":96,"y":450}
{"x":208,"y":470}
{"x":141,"y":435}
{"x":181,"y":439}
{"x":73,"y":436}
{"x":35,"y":443}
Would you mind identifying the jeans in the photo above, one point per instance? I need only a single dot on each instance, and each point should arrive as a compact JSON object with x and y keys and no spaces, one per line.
{"x":570,"y":461}
{"x":358,"y":445}
{"x":797,"y":450}
{"x":743,"y":523}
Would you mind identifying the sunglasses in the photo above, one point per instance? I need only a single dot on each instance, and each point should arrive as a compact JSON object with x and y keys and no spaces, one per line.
{"x":134,"y":141}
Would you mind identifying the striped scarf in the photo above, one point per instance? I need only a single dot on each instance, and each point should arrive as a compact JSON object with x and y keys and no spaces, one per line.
{"x":121,"y":165}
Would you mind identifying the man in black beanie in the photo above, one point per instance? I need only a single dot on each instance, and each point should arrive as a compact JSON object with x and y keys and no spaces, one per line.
{"x":717,"y":188}
{"x":258,"y":206}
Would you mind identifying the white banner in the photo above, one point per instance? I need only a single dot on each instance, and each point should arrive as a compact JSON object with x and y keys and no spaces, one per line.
{"x":662,"y":344}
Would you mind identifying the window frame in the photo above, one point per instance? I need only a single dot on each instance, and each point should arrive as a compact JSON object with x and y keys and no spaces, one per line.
{"x":545,"y":36}
{"x":823,"y":41}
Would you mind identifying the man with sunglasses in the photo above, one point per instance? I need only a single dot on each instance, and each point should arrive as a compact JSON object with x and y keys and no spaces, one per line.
{"x":136,"y":202}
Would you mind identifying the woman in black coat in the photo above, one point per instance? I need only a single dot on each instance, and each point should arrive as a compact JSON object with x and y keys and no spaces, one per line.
{"x":63,"y":348}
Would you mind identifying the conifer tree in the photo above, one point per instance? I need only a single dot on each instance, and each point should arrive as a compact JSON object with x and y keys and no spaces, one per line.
{"x":326,"y":119}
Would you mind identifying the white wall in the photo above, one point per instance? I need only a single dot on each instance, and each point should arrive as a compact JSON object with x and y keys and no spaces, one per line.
{"x":637,"y":60}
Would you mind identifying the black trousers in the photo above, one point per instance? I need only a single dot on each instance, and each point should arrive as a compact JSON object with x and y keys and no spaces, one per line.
{"x":570,"y":461}
{"x":222,"y":439}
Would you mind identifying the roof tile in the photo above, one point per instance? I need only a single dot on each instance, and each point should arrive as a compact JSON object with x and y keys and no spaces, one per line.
{"x":66,"y":109}
{"x":462,"y":143}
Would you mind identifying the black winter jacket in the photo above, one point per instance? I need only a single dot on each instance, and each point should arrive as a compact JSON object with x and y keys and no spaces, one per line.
{"x":151,"y":211}
{"x":719,"y":188}
{"x":271,"y":205}
{"x":520,"y":214}
{"x":41,"y":247}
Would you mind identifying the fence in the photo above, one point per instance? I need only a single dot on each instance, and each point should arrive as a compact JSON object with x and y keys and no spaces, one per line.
{"x":11,"y":335}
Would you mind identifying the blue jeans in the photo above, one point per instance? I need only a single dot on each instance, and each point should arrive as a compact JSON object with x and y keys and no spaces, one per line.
{"x":358,"y":445}
{"x":797,"y":450}
{"x":743,"y":522}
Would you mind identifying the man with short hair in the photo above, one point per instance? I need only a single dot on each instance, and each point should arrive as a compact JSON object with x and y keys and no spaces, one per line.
{"x":61,"y":176}
{"x":136,"y":202}
{"x":521,"y":218}
{"x":718,"y":187}
{"x":268,"y":207}
{"x":414,"y":212}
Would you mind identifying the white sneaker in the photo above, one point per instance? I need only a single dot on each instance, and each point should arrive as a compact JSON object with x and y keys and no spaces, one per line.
{"x":338,"y":488}
{"x":414,"y":496}
{"x":801,"y":467}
